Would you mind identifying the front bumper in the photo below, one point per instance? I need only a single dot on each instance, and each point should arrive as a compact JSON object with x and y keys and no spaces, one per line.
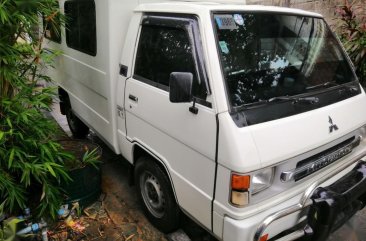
{"x":322,"y":208}
{"x":337,"y":203}
{"x":328,"y":208}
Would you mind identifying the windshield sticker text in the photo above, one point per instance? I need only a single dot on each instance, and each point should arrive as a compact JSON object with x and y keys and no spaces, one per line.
{"x":225,"y":22}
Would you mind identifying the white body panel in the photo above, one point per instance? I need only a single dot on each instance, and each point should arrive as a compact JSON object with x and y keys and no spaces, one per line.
{"x":186,"y":143}
{"x":155,"y":123}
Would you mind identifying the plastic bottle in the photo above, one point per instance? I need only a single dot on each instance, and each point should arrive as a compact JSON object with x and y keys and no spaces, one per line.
{"x":32,"y":228}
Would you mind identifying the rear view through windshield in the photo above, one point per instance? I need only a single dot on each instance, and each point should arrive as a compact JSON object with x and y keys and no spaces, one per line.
{"x":264,"y":56}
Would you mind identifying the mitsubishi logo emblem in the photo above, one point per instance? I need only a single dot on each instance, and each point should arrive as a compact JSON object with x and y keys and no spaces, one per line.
{"x":332,"y":127}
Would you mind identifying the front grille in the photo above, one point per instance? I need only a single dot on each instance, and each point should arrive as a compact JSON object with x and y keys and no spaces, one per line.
{"x":314,"y":163}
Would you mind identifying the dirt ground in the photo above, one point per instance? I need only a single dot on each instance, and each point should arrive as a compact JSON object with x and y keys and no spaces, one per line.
{"x":118,"y":215}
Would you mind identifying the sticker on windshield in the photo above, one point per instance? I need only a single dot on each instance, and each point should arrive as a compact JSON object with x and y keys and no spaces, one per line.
{"x":225,"y":22}
{"x":223,"y":46}
{"x":239,"y":19}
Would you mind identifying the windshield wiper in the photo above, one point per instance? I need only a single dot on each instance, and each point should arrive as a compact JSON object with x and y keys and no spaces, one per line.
{"x":351,"y":89}
{"x":295,"y":100}
{"x":326,"y":84}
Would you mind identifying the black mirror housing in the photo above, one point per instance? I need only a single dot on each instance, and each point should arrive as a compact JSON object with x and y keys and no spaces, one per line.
{"x":180,"y":84}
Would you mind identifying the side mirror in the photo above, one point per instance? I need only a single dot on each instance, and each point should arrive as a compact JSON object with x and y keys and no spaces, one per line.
{"x":180,"y":84}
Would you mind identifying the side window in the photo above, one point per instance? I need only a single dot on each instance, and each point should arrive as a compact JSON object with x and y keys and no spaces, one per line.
{"x":81,"y":26}
{"x":52,"y":27}
{"x":161,"y":51}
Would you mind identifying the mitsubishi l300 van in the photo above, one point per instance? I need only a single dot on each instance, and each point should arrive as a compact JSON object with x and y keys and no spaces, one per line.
{"x":249,"y":119}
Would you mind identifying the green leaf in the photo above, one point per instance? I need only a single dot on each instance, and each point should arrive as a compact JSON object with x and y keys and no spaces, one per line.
{"x":50,"y":169}
{"x":10,"y":227}
{"x":11,"y":158}
{"x":9,"y":122}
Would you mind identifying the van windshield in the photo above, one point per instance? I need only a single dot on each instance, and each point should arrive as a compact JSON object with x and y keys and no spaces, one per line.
{"x":264,"y":56}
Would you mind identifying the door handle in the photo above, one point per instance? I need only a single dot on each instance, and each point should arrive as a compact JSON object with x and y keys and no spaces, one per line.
{"x":133,"y":98}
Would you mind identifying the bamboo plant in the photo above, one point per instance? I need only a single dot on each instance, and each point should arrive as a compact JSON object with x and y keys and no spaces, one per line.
{"x":31,"y":161}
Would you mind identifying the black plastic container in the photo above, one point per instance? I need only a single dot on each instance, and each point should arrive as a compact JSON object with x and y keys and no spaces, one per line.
{"x":86,"y":185}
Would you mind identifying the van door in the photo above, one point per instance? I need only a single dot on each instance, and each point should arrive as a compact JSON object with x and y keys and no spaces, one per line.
{"x":182,"y":139}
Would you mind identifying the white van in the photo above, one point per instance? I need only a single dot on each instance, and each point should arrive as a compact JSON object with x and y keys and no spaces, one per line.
{"x":249,"y":119}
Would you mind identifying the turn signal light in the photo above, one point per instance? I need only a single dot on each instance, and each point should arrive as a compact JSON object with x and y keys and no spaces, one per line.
{"x":239,"y":182}
{"x":240,"y":185}
{"x":264,"y":238}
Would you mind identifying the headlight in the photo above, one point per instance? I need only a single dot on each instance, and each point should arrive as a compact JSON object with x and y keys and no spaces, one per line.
{"x":262,"y":180}
{"x":242,"y":186}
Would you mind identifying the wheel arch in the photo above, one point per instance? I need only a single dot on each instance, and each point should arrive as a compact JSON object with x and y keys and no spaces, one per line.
{"x":139,"y":150}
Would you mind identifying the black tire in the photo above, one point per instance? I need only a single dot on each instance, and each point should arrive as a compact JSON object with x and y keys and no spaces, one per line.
{"x":77,"y":127}
{"x":156,"y":195}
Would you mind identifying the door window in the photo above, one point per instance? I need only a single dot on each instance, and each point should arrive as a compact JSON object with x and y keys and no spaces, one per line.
{"x":163,"y":50}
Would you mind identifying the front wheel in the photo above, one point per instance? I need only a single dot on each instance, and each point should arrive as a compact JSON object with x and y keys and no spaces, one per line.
{"x":156,"y":195}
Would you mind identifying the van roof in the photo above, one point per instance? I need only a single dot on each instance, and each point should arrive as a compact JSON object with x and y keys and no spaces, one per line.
{"x":196,"y":7}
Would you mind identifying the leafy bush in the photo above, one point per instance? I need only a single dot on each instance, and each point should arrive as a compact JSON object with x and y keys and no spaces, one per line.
{"x":30,"y":160}
{"x":351,"y":28}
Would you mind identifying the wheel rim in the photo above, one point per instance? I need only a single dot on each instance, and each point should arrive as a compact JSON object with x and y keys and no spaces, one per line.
{"x":152,"y":194}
